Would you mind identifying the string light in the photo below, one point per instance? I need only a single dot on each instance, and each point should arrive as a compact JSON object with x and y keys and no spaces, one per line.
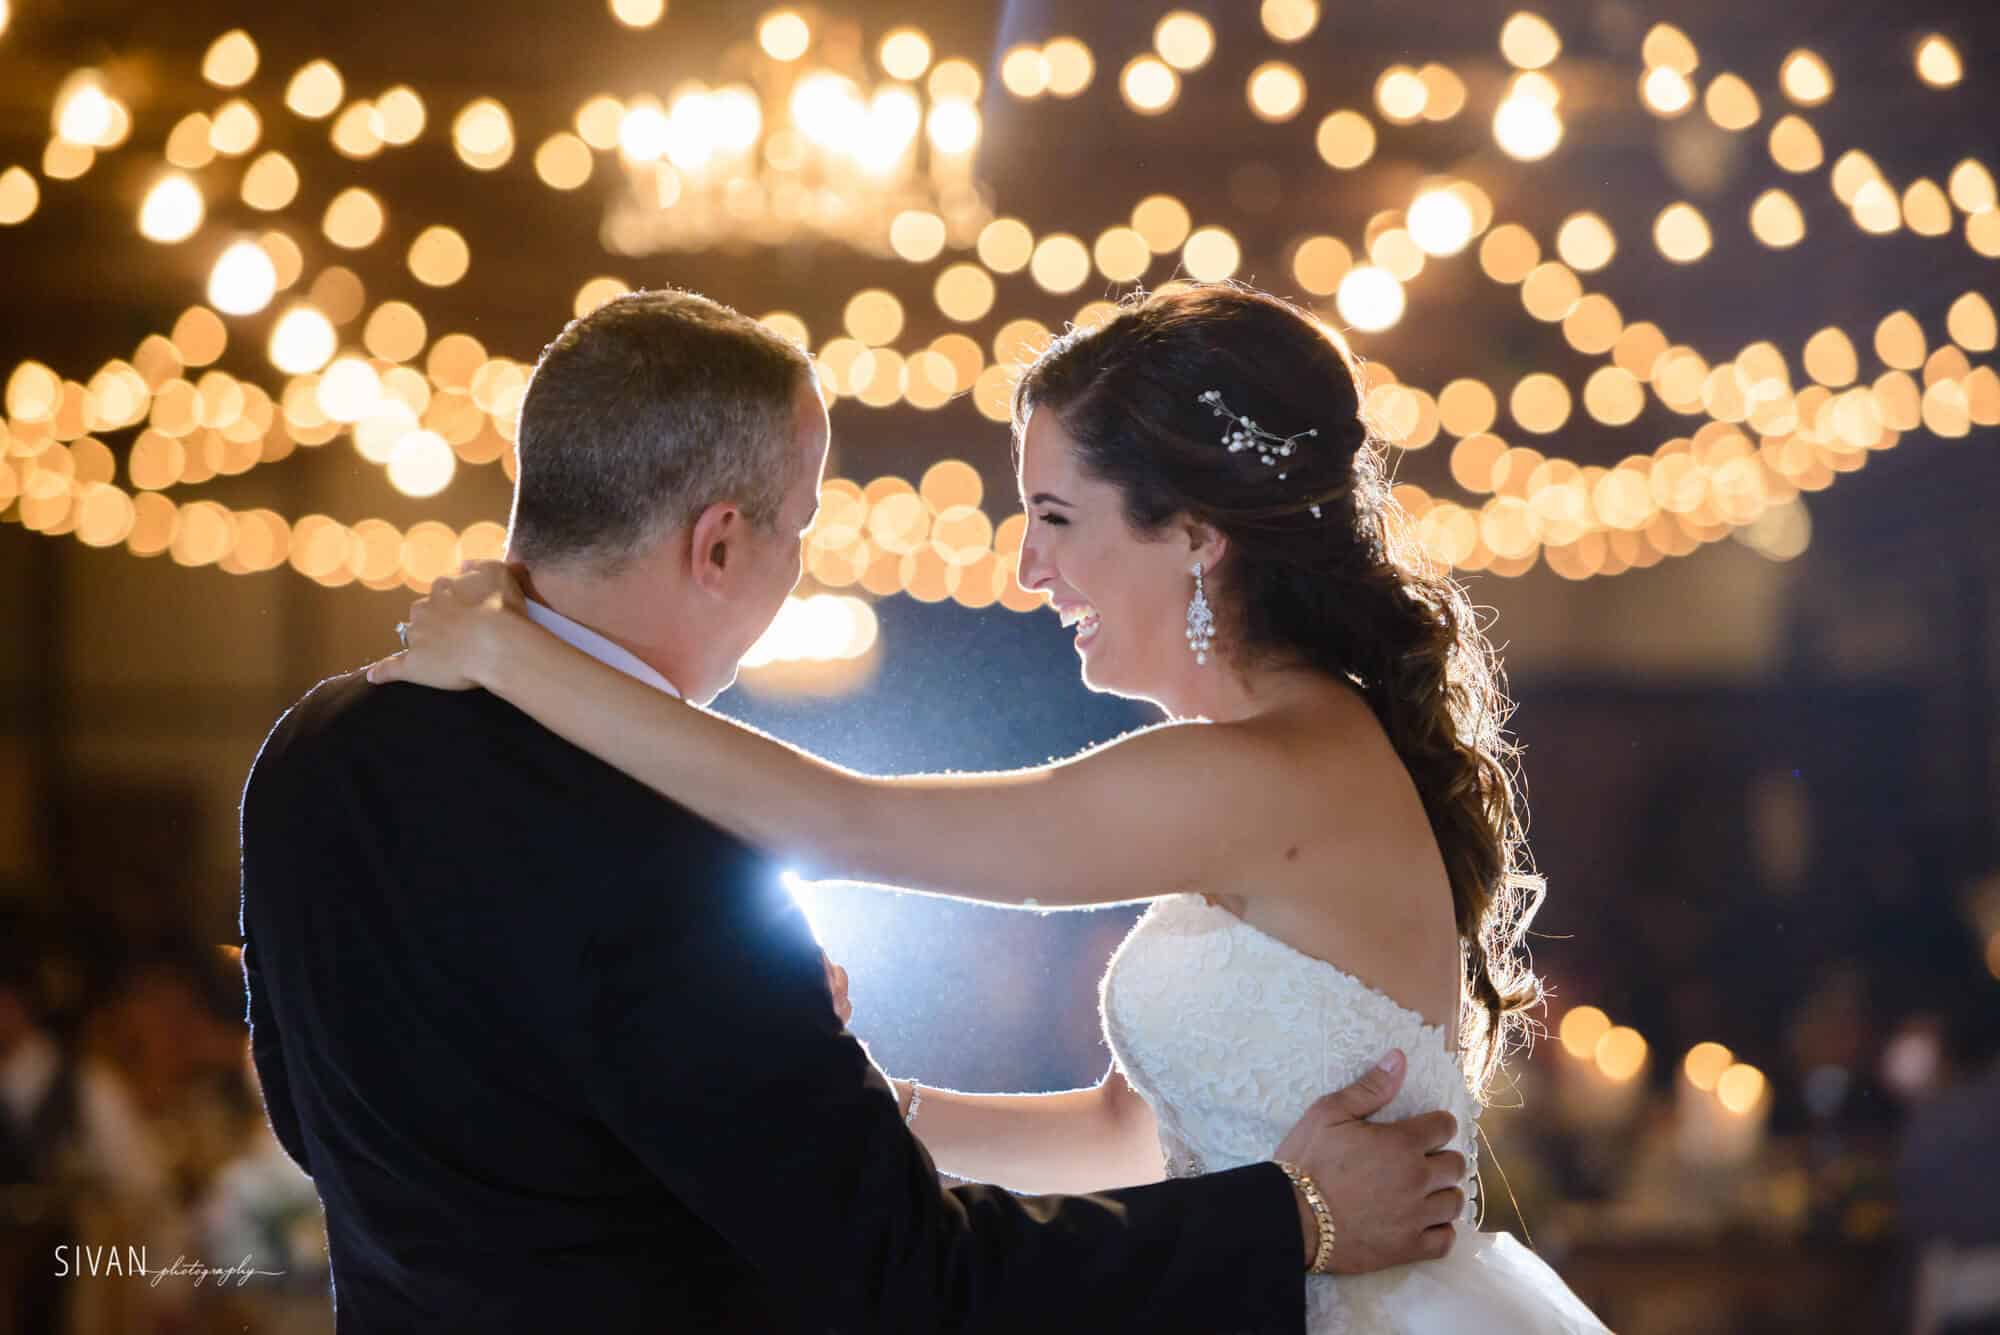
{"x":1946,"y":404}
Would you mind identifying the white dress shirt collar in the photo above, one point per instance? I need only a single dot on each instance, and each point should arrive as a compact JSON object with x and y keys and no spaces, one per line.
{"x":597,"y":646}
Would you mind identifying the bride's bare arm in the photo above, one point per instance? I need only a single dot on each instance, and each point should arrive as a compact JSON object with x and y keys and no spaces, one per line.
{"x":1159,"y":811}
{"x":1073,"y":1143}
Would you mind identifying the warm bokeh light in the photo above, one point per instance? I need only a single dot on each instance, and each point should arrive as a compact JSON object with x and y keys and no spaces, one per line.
{"x":1585,"y":242}
{"x":1060,"y":263}
{"x":917,"y":235}
{"x":172,"y":211}
{"x":1509,"y":253}
{"x":784,"y":35}
{"x":563,"y":162}
{"x":395,"y":332}
{"x":315,"y":90}
{"x":1705,"y":1063}
{"x":1613,"y":396}
{"x":1830,"y":358}
{"x":1071,"y":66}
{"x":1444,"y":92}
{"x":1580,"y":1030}
{"x":1184,"y":40}
{"x":1005,"y":245}
{"x":1276,"y":91}
{"x":1666,"y":45}
{"x":595,"y":292}
{"x":1529,"y":42}
{"x":439,"y":256}
{"x":1937,"y":62}
{"x":422,"y":464}
{"x":964,"y":292}
{"x":19,"y":196}
{"x":231,"y":60}
{"x":1681,"y":233}
{"x":1527,"y":128}
{"x":1540,"y":403}
{"x":1320,"y":263}
{"x":1440,"y":222}
{"x":1346,"y":139}
{"x":271,"y":183}
{"x":354,"y":219}
{"x":1163,"y":220}
{"x":1370,"y":299}
{"x":483,"y":135}
{"x":874,"y":317}
{"x":235,"y":129}
{"x":243,"y":281}
{"x":638,"y":13}
{"x":1731,"y":103}
{"x":1024,"y":71}
{"x":1401,"y":95}
{"x":1971,"y":324}
{"x":1776,"y":220}
{"x":1149,"y":85}
{"x":401,"y":115}
{"x":187,"y":143}
{"x":1621,"y":1053}
{"x":1551,"y":291}
{"x":1289,"y":20}
{"x":1795,"y":145}
{"x":1121,"y":254}
{"x":1740,"y":1088}
{"x":1926,"y":210}
{"x":1806,"y":78}
{"x":1467,"y":407}
{"x":1211,"y":254}
{"x":302,"y":342}
{"x":1972,"y":187}
{"x":952,"y":126}
{"x":1666,"y":91}
{"x":904,"y":54}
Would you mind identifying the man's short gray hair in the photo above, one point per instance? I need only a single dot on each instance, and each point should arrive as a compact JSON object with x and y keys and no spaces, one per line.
{"x":640,"y":416}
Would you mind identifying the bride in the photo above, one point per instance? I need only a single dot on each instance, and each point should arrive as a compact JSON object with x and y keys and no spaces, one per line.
{"x":1328,"y":826}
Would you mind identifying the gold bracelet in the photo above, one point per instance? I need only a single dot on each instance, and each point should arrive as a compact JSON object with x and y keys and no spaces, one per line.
{"x":1322,"y":1262}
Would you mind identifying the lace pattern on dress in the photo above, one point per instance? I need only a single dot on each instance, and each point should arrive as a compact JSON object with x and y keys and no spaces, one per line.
{"x":1228,"y":1034}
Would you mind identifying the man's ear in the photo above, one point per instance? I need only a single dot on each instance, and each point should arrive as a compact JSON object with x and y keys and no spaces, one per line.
{"x":715,"y":545}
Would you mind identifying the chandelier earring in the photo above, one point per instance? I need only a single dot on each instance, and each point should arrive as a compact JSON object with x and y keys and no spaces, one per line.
{"x":1200,"y":620}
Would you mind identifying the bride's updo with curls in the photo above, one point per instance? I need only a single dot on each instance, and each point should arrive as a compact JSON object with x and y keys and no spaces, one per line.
{"x":1320,"y":570}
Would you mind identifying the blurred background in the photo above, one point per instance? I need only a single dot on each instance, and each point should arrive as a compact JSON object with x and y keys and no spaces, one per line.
{"x":1679,"y":316}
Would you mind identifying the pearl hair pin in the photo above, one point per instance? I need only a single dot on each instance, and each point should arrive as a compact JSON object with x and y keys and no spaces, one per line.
{"x":1245,"y":434}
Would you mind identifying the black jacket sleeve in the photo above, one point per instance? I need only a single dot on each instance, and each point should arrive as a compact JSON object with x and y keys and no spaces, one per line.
{"x":715,"y":1054}
{"x":269,"y":1057}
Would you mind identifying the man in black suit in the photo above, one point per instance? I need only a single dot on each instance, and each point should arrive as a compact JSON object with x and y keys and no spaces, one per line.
{"x":559,"y":1055}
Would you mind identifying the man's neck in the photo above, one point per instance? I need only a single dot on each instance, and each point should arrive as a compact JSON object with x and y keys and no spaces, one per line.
{"x":643,"y":623}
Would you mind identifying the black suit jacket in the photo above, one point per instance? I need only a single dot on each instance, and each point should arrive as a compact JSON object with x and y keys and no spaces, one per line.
{"x":559,"y":1055}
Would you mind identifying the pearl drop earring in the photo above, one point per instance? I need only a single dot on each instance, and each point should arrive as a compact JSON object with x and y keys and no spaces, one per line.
{"x":1200,"y":620}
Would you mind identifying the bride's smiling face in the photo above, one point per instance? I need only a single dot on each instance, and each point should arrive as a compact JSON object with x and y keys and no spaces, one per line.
{"x":1126,"y":593}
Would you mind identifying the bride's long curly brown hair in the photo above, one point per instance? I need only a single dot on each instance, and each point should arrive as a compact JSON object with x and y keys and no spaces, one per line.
{"x":1321,"y":568}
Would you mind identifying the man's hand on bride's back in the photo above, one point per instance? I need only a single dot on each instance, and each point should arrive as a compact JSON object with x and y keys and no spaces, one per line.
{"x":836,"y":983}
{"x":1392,"y":1188}
{"x":450,"y":634}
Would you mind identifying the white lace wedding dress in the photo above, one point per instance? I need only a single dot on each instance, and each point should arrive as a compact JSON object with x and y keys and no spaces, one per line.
{"x":1229,"y":1033}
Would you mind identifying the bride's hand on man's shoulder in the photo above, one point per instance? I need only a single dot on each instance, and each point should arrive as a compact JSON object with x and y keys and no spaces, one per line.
{"x":449,"y":635}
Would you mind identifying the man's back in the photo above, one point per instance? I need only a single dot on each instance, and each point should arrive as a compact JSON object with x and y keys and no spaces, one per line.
{"x":425,"y":876}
